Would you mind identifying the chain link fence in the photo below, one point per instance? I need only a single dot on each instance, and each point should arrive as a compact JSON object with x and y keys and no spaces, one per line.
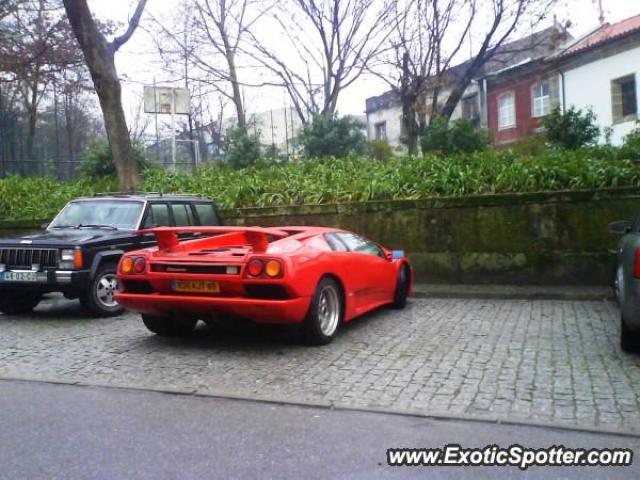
{"x":62,"y":169}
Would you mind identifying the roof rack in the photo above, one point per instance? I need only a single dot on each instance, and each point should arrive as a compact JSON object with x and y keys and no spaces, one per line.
{"x":146,"y":194}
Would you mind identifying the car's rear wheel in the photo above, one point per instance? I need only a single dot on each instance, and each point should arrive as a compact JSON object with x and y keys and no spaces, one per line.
{"x":402,"y":288}
{"x":99,"y":296}
{"x":169,"y":326}
{"x":629,"y":338}
{"x":325,"y":313}
{"x":15,"y":302}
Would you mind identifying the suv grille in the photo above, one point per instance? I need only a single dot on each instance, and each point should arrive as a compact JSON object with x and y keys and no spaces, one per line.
{"x":26,"y":257}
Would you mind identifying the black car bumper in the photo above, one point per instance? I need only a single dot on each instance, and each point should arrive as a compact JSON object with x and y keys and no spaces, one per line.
{"x":48,"y":281}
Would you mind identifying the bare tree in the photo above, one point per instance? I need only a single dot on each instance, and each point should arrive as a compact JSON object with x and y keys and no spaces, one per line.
{"x":99,"y":55}
{"x":39,"y":46}
{"x":428,"y":36}
{"x":207,"y":44}
{"x":333,"y":40}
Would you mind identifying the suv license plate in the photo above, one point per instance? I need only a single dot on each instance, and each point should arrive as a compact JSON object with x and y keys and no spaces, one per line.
{"x":19,"y":276}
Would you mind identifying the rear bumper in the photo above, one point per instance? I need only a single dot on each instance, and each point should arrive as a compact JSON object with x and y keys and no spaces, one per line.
{"x":261,"y":311}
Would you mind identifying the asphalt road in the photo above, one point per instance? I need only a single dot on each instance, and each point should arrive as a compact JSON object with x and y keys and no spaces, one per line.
{"x":63,"y":431}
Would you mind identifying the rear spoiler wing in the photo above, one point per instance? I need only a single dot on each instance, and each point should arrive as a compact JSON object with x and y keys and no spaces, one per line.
{"x":256,"y":237}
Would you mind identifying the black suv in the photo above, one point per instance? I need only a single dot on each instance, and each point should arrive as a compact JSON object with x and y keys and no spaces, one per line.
{"x":79,"y":251}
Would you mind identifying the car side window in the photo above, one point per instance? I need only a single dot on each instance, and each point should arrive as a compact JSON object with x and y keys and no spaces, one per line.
{"x":358,"y":244}
{"x":182,"y":214}
{"x":206,"y":214}
{"x":158,"y":216}
{"x":335,"y":243}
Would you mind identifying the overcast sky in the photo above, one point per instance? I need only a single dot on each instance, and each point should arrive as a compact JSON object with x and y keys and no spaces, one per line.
{"x":136,"y":61}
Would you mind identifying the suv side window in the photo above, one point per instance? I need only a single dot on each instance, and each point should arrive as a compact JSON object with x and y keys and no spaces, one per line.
{"x":206,"y":214}
{"x":158,"y":216}
{"x":182,"y":214}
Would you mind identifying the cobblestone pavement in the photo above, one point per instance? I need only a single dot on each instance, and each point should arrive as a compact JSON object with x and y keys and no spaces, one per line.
{"x":517,"y":360}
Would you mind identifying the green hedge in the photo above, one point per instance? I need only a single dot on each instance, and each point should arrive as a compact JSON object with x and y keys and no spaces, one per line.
{"x":354,"y":179}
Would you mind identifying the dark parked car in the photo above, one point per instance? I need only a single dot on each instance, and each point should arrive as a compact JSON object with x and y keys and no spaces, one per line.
{"x":627,"y":282}
{"x":79,"y":250}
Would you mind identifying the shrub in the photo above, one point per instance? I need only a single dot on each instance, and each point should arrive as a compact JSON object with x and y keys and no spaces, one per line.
{"x":458,"y":136}
{"x":530,"y":145}
{"x":352,"y":179}
{"x":332,"y":137}
{"x":631,"y":145}
{"x":379,"y":149}
{"x":572,"y":129}
{"x":244,"y":149}
{"x":97,"y":160}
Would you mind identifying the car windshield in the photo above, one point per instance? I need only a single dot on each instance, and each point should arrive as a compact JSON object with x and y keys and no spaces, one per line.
{"x":99,"y":214}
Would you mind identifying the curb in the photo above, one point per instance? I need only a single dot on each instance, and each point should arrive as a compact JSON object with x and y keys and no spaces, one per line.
{"x":339,"y":406}
{"x":510,"y":292}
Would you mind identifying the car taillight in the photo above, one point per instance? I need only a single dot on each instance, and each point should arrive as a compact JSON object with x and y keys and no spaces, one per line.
{"x":133,"y":265}
{"x":636,"y":264}
{"x":273,"y":268}
{"x":254,"y":268}
{"x":127,"y":265}
{"x":139,"y":264}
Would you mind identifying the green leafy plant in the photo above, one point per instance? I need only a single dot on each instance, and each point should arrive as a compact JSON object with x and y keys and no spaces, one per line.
{"x":97,"y":160}
{"x":244,"y":149}
{"x":351,"y":179}
{"x":572,"y":129}
{"x":379,"y":149}
{"x":631,"y":145}
{"x":332,"y":137}
{"x":458,"y":136}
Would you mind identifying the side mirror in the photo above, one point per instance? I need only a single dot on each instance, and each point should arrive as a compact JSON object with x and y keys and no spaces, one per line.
{"x":621,"y":227}
{"x":397,"y":254}
{"x":44,"y":226}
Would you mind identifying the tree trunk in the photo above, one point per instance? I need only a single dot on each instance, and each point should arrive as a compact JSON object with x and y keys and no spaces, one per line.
{"x":408,"y":101}
{"x":237,"y":94}
{"x":99,"y":55}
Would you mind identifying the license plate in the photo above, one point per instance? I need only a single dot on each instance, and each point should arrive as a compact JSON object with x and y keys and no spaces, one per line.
{"x":196,"y":286}
{"x":19,"y":276}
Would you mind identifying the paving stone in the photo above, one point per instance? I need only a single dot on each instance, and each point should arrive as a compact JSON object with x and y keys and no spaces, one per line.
{"x":546,"y":360}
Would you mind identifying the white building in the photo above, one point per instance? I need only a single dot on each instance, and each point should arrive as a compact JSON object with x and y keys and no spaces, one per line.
{"x":384,"y":112}
{"x":601,"y":71}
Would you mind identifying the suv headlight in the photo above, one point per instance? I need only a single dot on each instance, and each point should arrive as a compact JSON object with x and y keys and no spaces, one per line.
{"x":70,"y":259}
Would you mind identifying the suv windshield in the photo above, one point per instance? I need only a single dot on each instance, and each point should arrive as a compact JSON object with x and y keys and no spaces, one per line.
{"x":99,"y":214}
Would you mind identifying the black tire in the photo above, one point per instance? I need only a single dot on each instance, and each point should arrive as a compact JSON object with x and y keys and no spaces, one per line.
{"x":169,"y":326}
{"x":14,"y":302}
{"x":325,"y":313}
{"x":629,"y":339}
{"x":98,"y":296}
{"x":402,"y":288}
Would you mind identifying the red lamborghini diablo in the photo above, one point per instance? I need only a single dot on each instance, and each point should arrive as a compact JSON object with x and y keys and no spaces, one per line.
{"x":313,"y":276}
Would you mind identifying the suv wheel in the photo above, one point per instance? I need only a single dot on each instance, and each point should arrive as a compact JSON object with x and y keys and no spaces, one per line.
{"x":99,"y":297}
{"x":14,"y":302}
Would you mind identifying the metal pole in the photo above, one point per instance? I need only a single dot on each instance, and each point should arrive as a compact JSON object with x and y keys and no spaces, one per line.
{"x":155,"y":108}
{"x":173,"y":129}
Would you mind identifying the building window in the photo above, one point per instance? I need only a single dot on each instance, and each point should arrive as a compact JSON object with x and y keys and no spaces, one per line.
{"x":506,"y":111}
{"x":624,"y":103}
{"x":471,"y":109}
{"x":540,"y":100}
{"x":380,"y":131}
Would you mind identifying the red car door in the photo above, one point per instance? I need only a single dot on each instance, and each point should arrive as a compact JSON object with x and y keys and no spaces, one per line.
{"x":372,"y":275}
